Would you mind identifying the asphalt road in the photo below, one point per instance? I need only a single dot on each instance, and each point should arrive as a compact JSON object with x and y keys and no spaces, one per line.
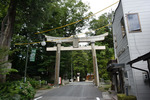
{"x":73,"y":91}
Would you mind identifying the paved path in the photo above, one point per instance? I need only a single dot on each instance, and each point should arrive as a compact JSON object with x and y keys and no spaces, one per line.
{"x":73,"y":91}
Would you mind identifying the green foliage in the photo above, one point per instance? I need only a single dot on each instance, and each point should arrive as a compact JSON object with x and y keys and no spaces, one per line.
{"x":3,"y":52}
{"x":103,"y":56}
{"x":107,"y":81}
{"x":4,"y":64}
{"x":124,"y":97}
{"x":31,"y":14}
{"x":65,"y":12}
{"x":82,"y":63}
{"x":16,"y":90}
{"x":47,"y":87}
{"x":43,"y":87}
{"x":34,"y":83}
{"x":104,"y":88}
{"x":43,"y":82}
{"x":3,"y":9}
{"x":39,"y":15}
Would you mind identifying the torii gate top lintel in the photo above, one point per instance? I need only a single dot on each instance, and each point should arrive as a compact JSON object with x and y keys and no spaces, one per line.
{"x":81,"y":39}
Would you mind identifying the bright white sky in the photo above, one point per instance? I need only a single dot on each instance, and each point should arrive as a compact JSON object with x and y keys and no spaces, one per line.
{"x":97,"y":5}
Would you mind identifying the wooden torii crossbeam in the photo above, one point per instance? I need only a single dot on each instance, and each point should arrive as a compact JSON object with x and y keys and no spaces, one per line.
{"x":72,"y":48}
{"x":76,"y":40}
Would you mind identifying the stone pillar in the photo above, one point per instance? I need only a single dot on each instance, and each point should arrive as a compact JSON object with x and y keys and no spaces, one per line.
{"x":57,"y":65}
{"x":95,"y":66}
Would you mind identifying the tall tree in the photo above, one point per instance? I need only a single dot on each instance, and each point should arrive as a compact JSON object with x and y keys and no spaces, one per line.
{"x":7,"y":31}
{"x":19,"y":10}
{"x":80,"y":63}
{"x":65,"y":12}
{"x":37,"y":15}
{"x":105,"y":55}
{"x":62,"y":13}
{"x":8,"y":25}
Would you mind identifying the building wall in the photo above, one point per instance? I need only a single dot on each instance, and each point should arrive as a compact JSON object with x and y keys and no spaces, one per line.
{"x":136,"y":44}
{"x":122,"y":50}
{"x":139,"y":42}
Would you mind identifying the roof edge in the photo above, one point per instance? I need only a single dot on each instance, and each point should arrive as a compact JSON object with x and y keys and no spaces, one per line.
{"x":116,"y":10}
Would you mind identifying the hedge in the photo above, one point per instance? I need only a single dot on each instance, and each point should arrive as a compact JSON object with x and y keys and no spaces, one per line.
{"x":16,"y":90}
{"x":124,"y":97}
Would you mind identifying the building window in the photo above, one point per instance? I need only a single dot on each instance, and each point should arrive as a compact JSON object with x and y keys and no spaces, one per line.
{"x":133,"y":23}
{"x":123,"y":27}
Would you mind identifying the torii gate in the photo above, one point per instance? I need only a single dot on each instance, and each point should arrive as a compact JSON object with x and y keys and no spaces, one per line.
{"x":76,"y":40}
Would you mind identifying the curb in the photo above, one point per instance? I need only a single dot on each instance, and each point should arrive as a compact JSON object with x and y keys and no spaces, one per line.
{"x":113,"y":95}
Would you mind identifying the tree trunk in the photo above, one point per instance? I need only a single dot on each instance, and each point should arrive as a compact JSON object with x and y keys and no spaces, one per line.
{"x":7,"y":31}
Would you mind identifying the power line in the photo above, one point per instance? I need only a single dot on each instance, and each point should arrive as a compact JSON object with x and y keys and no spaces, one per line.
{"x":76,"y":21}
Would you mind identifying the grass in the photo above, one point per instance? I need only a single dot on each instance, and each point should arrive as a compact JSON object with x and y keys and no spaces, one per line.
{"x":104,"y":88}
{"x":44,"y":87}
{"x":124,"y":97}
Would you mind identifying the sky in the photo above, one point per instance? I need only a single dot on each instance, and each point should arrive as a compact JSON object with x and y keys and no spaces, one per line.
{"x":97,"y":5}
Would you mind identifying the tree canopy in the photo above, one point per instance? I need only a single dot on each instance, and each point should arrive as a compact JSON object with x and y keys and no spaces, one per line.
{"x":31,"y":16}
{"x":105,"y":55}
{"x":21,"y":19}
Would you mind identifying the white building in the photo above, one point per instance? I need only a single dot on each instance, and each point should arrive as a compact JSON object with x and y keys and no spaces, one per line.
{"x":131,"y":36}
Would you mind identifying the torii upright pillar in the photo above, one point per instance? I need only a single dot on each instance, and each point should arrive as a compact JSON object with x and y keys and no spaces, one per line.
{"x":57,"y":65}
{"x":95,"y":66}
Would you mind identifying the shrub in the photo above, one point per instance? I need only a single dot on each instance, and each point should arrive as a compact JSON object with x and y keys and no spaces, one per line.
{"x":43,"y":82}
{"x":107,"y":81}
{"x":124,"y":97}
{"x":16,"y":90}
{"x":45,"y":87}
{"x":104,"y":88}
{"x":34,"y":83}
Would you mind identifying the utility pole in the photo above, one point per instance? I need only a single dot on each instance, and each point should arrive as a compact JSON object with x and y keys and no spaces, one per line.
{"x":26,"y":64}
{"x":71,"y":71}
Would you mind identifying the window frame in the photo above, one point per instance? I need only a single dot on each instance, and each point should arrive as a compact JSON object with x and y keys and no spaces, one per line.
{"x":134,"y":31}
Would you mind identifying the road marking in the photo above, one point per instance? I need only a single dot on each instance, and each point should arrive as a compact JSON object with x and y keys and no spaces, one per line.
{"x":38,"y":98}
{"x":97,"y":98}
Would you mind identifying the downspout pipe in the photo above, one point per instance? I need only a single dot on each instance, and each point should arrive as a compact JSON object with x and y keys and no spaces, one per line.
{"x":142,"y":70}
